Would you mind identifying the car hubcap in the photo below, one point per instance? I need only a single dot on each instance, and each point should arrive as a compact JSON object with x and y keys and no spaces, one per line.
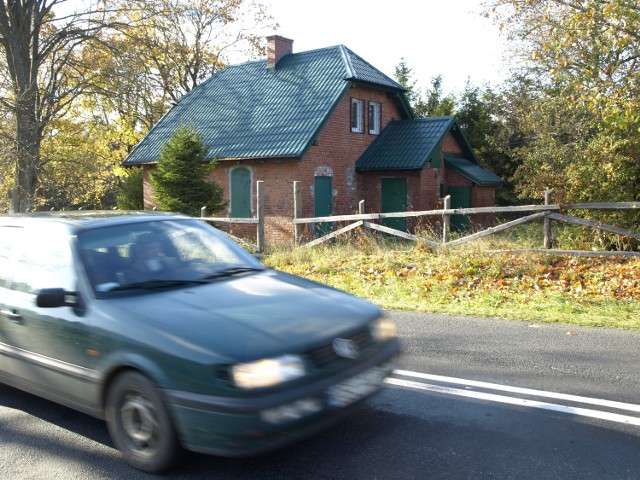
{"x":139,"y":421}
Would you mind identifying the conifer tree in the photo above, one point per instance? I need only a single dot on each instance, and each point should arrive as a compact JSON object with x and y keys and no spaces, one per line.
{"x":179,"y":179}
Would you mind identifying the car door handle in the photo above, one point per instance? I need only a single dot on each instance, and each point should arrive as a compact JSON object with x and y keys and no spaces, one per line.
{"x":13,"y":316}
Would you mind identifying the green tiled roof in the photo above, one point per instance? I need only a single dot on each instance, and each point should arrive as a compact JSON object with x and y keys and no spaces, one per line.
{"x":249,"y":111}
{"x":472,"y":171}
{"x":410,"y":144}
{"x":405,"y":144}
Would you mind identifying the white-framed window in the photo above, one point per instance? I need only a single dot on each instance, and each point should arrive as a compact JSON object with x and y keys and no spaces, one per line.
{"x":357,"y":115}
{"x":374,"y":118}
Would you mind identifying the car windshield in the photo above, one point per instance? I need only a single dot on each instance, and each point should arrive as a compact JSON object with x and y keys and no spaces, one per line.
{"x":160,"y":254}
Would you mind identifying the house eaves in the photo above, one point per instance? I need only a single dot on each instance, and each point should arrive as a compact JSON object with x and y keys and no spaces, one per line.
{"x":474,"y":172}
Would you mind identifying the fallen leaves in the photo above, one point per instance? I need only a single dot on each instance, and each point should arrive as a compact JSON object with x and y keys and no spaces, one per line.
{"x":499,"y":279}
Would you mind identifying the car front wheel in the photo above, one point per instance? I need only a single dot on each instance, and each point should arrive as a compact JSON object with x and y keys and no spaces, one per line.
{"x":140,"y":425}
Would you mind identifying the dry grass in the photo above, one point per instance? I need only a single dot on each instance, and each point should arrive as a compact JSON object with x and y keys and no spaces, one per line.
{"x":469,"y":281}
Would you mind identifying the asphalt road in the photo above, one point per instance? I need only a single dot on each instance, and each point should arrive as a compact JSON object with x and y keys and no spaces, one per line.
{"x":471,"y":399}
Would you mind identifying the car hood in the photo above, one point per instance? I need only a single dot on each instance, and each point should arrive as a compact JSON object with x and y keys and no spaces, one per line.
{"x":246,"y":317}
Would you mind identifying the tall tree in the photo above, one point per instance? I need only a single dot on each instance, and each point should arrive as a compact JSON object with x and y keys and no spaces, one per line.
{"x":40,"y":67}
{"x":404,"y":76}
{"x":594,"y":45}
{"x":480,"y":113}
{"x":124,"y":61}
{"x":435,"y":104}
{"x":180,"y":43}
{"x":582,"y":56}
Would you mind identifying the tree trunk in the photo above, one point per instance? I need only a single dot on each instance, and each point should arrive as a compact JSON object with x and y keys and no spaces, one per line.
{"x":19,"y":27}
{"x":27,"y":152}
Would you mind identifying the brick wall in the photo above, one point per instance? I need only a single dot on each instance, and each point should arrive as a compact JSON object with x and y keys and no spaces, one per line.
{"x":450,"y":144}
{"x":147,"y":189}
{"x":454,"y":179}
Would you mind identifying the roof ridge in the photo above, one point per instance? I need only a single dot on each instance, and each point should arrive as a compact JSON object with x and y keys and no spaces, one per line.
{"x":439,"y":117}
{"x":351,"y":53}
{"x":344,"y":51}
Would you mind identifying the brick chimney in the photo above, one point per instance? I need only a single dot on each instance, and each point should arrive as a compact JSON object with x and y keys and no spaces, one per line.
{"x":277,"y":47}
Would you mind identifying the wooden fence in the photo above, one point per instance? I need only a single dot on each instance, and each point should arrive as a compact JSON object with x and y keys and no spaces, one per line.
{"x":547,"y":212}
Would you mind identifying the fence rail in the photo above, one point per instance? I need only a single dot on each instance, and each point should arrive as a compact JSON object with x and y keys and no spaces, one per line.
{"x":547,"y":212}
{"x":258,"y":220}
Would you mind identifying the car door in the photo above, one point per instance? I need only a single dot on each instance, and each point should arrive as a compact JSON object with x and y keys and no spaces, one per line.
{"x":47,"y":347}
{"x":8,"y":239}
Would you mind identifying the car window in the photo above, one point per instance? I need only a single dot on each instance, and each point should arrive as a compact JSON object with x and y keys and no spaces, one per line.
{"x":165,"y":252}
{"x":45,"y":261}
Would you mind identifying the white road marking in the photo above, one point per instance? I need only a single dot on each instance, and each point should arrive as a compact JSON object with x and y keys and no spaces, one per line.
{"x":524,"y":391}
{"x":492,"y":397}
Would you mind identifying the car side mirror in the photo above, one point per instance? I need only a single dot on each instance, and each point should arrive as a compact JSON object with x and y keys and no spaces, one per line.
{"x":56,"y":297}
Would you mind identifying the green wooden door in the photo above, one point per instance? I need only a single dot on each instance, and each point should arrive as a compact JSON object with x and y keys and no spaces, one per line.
{"x":460,"y":198}
{"x":323,"y":203}
{"x":240,"y":193}
{"x":394,"y":199}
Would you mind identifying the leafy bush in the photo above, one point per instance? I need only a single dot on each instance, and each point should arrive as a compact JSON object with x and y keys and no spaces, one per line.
{"x":130,"y":194}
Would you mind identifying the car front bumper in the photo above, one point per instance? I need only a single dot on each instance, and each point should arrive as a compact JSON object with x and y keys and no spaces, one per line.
{"x":232,"y":426}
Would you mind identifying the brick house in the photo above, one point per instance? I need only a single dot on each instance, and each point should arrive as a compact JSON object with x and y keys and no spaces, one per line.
{"x":328,"y":119}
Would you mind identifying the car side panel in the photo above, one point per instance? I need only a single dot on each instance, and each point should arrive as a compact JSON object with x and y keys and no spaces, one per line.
{"x":49,"y":349}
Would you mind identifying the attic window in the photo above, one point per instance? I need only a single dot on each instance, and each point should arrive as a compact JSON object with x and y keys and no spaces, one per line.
{"x":374,"y":118}
{"x":357,"y":115}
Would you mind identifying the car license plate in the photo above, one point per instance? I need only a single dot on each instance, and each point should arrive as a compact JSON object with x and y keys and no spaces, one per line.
{"x":355,"y":388}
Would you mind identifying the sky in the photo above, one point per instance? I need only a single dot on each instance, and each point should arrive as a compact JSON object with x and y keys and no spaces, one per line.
{"x":435,"y":37}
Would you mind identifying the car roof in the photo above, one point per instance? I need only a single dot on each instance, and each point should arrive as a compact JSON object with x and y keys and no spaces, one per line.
{"x":81,"y":219}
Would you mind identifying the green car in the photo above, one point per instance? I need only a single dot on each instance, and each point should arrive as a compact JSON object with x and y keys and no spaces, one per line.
{"x":178,"y":337}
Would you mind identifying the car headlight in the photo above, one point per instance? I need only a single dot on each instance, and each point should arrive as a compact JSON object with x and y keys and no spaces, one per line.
{"x":267,"y":372}
{"x":383,"y":329}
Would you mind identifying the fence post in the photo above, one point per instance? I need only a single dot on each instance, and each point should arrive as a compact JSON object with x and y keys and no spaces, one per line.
{"x":361,"y":212}
{"x":547,"y":222}
{"x":203,"y":212}
{"x":297,"y":210}
{"x":260,"y":214}
{"x":446,"y":220}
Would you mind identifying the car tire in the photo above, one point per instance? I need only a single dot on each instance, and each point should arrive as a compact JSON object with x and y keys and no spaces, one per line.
{"x":140,"y":425}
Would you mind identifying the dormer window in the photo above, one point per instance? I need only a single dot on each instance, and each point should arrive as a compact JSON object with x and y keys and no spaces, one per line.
{"x":357,"y":115}
{"x":374,"y":118}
